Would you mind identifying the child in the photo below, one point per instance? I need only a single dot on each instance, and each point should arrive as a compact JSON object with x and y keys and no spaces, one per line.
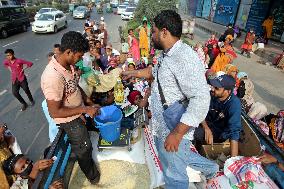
{"x":135,"y":98}
{"x":112,"y":62}
{"x":207,"y":57}
{"x":247,"y":45}
{"x":26,"y":171}
{"x":213,"y":54}
{"x":152,"y":51}
{"x":131,"y":66}
{"x":143,"y":63}
{"x":191,"y":28}
{"x":124,"y":47}
{"x":198,"y":48}
{"x":49,"y":56}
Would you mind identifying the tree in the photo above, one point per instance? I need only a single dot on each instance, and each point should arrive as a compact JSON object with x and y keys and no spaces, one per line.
{"x":150,"y":8}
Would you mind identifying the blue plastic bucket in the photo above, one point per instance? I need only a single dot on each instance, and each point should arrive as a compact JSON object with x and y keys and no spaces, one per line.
{"x":110,"y":127}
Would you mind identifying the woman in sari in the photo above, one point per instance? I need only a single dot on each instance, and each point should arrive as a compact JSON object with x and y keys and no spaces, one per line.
{"x":134,"y":45}
{"x":232,"y":70}
{"x":267,"y":27}
{"x":247,"y":45}
{"x":143,"y":40}
{"x":221,"y":61}
{"x":230,"y":52}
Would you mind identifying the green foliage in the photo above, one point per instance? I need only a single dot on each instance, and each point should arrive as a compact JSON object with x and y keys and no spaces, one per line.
{"x":187,"y":41}
{"x":132,"y":24}
{"x":150,"y":8}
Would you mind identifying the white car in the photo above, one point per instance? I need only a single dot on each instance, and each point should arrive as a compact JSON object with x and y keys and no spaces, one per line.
{"x":128,"y":14}
{"x":50,"y":22}
{"x":121,"y":9}
{"x":44,"y":10}
{"x":81,"y":12}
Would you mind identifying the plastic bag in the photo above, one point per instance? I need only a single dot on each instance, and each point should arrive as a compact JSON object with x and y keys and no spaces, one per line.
{"x":242,"y":170}
{"x":153,"y":162}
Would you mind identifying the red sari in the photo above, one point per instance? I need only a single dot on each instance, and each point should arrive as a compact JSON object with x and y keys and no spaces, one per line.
{"x":247,"y":45}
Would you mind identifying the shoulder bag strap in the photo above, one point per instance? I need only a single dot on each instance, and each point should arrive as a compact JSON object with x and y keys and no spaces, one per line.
{"x":164,"y":102}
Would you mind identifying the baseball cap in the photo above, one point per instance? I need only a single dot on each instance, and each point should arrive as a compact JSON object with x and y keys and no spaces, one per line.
{"x":224,"y":81}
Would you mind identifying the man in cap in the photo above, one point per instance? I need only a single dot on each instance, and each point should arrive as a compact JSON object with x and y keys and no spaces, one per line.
{"x":223,"y":120}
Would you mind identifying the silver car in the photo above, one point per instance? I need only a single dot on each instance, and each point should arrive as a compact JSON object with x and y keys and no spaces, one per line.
{"x":81,"y":12}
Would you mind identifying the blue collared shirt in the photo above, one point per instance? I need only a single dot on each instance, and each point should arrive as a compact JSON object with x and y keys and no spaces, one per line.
{"x":224,"y":118}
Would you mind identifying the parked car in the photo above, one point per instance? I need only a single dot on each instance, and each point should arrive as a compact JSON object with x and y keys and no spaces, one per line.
{"x":81,"y":12}
{"x":50,"y":22}
{"x":44,"y":10}
{"x":128,"y":14}
{"x":121,"y":9}
{"x":114,"y":3}
{"x":13,"y":18}
{"x":126,"y":3}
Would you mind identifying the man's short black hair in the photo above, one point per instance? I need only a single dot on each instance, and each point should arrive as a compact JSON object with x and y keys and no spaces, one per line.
{"x":97,"y":41}
{"x":144,"y":22}
{"x":11,"y":51}
{"x":170,"y":20}
{"x":50,"y":54}
{"x":74,"y":41}
{"x":56,"y":45}
{"x":9,"y":164}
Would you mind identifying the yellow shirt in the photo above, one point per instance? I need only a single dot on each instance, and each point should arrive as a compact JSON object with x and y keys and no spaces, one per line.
{"x":4,"y":154}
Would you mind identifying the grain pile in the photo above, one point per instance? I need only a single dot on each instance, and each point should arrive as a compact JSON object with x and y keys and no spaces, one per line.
{"x":114,"y":175}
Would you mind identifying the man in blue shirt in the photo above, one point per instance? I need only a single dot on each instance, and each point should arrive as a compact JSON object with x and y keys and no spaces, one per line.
{"x":223,"y":120}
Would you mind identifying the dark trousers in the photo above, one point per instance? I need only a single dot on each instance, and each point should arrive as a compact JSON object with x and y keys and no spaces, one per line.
{"x":199,"y":138}
{"x":24,"y":85}
{"x":81,"y":146}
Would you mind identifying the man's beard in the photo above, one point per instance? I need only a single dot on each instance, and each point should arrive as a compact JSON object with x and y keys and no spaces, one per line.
{"x":157,"y":44}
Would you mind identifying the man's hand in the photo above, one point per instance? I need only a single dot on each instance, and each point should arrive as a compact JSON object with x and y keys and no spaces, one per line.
{"x":267,"y":159}
{"x":127,"y":75}
{"x":174,"y":138}
{"x":208,"y":135}
{"x":43,"y":164}
{"x":172,"y":141}
{"x":92,"y":111}
{"x":147,"y":92}
{"x":89,"y":102}
{"x":58,"y":184}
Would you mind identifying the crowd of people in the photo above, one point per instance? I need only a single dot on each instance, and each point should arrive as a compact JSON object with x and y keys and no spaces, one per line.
{"x":192,"y":96}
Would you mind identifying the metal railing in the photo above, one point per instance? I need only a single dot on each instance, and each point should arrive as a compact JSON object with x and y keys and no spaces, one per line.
{"x":62,"y":166}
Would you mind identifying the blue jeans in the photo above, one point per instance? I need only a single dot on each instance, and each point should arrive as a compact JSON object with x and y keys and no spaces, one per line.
{"x":174,"y":164}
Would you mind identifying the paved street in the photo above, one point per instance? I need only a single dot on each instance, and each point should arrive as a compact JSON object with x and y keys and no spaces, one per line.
{"x":30,"y":126}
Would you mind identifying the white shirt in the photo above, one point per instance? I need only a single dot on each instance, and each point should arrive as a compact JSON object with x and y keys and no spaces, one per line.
{"x":180,"y":64}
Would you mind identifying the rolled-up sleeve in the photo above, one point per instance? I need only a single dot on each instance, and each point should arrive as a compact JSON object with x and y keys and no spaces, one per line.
{"x":29,"y":64}
{"x":192,"y":82}
{"x":6,"y":63}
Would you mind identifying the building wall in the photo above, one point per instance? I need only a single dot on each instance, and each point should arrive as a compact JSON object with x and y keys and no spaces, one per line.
{"x":244,"y":13}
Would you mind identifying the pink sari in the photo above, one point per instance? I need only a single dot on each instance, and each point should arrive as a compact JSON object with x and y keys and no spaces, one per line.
{"x":134,"y":48}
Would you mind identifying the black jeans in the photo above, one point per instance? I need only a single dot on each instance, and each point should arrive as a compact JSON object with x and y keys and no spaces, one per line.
{"x":81,"y":145}
{"x":24,"y":85}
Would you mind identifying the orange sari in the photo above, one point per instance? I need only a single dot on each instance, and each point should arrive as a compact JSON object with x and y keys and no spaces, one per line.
{"x":220,"y":62}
